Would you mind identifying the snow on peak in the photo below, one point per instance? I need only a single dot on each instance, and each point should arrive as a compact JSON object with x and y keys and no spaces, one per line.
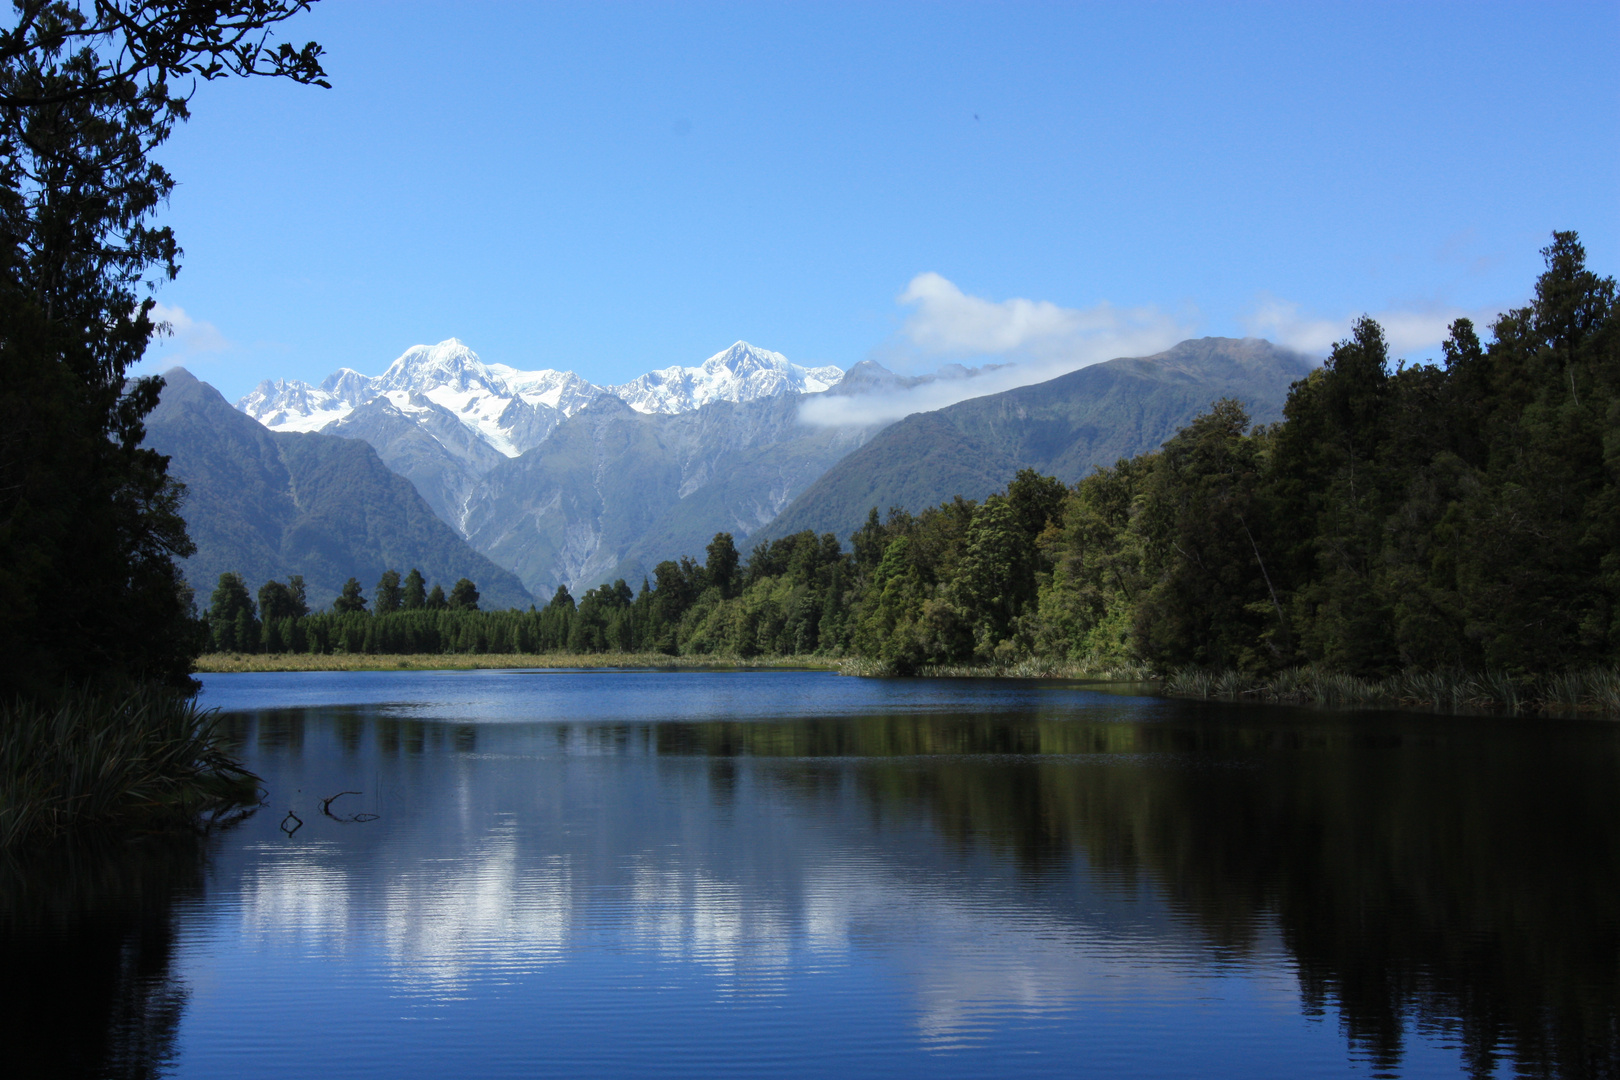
{"x":740,"y":373}
{"x":512,"y":409}
{"x":447,"y":364}
{"x":294,"y":405}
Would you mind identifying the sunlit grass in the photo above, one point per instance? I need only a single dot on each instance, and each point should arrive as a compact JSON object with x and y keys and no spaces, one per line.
{"x":146,"y":756}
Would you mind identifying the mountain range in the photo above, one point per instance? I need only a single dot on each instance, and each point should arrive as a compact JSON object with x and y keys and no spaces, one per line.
{"x":563,"y":482}
{"x":270,"y":504}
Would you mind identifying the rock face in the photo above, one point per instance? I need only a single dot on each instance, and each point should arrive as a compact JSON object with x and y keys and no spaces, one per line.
{"x":425,"y":443}
{"x":1064,"y":427}
{"x":269,"y":504}
{"x":613,"y":491}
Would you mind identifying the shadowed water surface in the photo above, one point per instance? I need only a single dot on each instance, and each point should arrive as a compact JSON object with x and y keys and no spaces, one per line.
{"x":796,"y":874}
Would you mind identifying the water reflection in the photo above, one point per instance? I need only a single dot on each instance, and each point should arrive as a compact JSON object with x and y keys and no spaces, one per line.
{"x":87,"y":935}
{"x":1099,"y":885}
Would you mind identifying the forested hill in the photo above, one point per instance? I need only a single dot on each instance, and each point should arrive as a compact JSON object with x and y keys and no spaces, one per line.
{"x":270,"y":504}
{"x":1063,"y":428}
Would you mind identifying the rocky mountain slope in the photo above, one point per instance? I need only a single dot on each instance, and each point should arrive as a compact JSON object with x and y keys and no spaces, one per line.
{"x":613,"y":491}
{"x":269,"y":504}
{"x":1064,"y":427}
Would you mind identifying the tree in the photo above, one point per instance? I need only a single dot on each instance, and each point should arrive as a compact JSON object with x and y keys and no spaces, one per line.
{"x":90,"y":528}
{"x":300,"y":600}
{"x":276,"y":601}
{"x":414,"y":596}
{"x":1205,"y":599}
{"x":388,"y":597}
{"x":720,"y":565}
{"x":231,"y":621}
{"x":435,"y":599}
{"x":350,"y":601}
{"x":464,"y":596}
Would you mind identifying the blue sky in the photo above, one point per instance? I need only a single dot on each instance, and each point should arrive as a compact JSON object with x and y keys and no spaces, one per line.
{"x":616,"y":187}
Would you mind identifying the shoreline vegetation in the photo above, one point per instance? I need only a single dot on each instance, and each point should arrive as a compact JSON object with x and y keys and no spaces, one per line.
{"x":1593,"y":692}
{"x":144,"y":758}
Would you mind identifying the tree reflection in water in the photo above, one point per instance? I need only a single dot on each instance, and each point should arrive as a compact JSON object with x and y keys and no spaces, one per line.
{"x":87,"y":935}
{"x":1424,"y":873}
{"x":1418,"y":870}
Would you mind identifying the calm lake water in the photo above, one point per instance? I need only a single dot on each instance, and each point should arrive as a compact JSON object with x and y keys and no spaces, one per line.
{"x":705,"y":874}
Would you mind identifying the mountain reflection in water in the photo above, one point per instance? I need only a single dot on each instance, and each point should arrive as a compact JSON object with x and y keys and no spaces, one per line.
{"x":793,"y":873}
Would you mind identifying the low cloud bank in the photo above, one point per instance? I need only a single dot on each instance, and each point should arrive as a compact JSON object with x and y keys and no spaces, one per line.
{"x":1033,"y":340}
{"x":1021,"y":342}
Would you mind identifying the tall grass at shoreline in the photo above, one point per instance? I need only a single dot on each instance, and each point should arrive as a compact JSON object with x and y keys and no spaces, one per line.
{"x":1029,"y":668}
{"x":146,"y":756}
{"x":216,"y":663}
{"x":1594,"y":691}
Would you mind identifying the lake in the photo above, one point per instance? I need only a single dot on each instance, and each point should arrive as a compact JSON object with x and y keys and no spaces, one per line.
{"x":769,"y":873}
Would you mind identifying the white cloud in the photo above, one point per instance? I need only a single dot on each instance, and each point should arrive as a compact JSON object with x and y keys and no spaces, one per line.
{"x":1414,"y":333}
{"x":1039,"y":339}
{"x":186,"y":337}
{"x":945,"y":321}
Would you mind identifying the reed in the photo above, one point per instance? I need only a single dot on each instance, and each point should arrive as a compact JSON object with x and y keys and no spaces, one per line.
{"x":215,"y":663}
{"x":1594,"y":691}
{"x":146,"y":757}
{"x":1028,"y":668}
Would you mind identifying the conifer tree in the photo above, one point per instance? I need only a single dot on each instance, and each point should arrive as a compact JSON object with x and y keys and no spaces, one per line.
{"x":414,"y":596}
{"x":464,"y":596}
{"x":351,"y":601}
{"x":388,"y":597}
{"x":298,"y":596}
{"x":720,"y":566}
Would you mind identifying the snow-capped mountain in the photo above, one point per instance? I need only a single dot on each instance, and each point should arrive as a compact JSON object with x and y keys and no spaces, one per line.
{"x":508,"y":409}
{"x":442,"y":417}
{"x":512,"y":410}
{"x":741,"y":373}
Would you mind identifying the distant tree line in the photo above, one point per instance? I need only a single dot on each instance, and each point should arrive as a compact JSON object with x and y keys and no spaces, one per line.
{"x":282,"y":622}
{"x":1457,"y":515}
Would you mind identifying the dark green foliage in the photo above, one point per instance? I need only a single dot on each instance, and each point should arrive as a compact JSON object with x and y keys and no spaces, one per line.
{"x":388,"y":597}
{"x":112,"y":756}
{"x":435,"y":599}
{"x":1202,"y":598}
{"x":414,"y":596}
{"x":232,"y":625}
{"x":350,"y":601}
{"x":463,"y":596}
{"x":278,"y":601}
{"x":720,"y":565}
{"x":89,"y":517}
